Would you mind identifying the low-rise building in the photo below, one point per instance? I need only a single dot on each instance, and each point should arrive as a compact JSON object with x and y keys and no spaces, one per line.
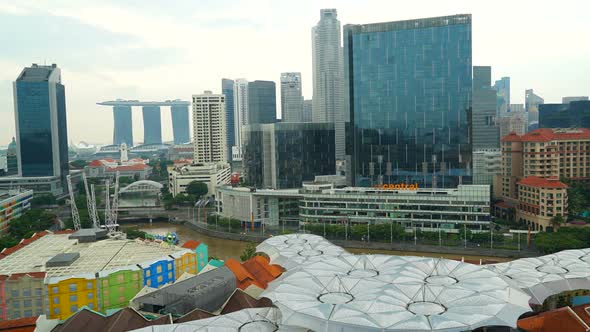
{"x":539,"y":201}
{"x":39,"y":184}
{"x":213,"y":174}
{"x":201,"y":252}
{"x":12,"y":205}
{"x":133,"y":168}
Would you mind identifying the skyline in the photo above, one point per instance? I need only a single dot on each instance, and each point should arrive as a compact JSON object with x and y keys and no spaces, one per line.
{"x":154,"y":53}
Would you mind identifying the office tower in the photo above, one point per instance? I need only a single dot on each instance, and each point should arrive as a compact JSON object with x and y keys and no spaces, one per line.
{"x":410,"y":102}
{"x":291,"y":98}
{"x":502,"y":87}
{"x":210,"y":138}
{"x":531,"y":106}
{"x":227,"y":89}
{"x":485,"y":130}
{"x":567,"y":100}
{"x":11,"y":158}
{"x":180,"y":124}
{"x":307,"y":111}
{"x":283,"y":155}
{"x":262,"y":102}
{"x":152,"y":125}
{"x":240,"y":115}
{"x":123,"y":130}
{"x":575,"y":114}
{"x":329,"y":104}
{"x":41,"y":123}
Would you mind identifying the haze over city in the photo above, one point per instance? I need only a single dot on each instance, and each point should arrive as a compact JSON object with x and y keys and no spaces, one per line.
{"x":157,"y":50}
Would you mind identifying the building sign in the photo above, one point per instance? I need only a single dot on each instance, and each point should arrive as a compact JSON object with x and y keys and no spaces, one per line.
{"x":397,"y":186}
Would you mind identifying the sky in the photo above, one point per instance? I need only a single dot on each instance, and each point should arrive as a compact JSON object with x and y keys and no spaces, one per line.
{"x":158,"y":50}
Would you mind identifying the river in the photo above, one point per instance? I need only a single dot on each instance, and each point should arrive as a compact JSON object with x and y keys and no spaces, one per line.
{"x":224,"y":249}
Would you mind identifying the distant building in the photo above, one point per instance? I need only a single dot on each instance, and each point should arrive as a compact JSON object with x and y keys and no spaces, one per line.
{"x":540,"y":200}
{"x":531,"y":104}
{"x":567,"y":100}
{"x":152,"y":124}
{"x":241,"y":115}
{"x":123,"y":121}
{"x":213,"y":174}
{"x":307,"y":115}
{"x":210,"y":138}
{"x":487,"y":163}
{"x":575,"y":114}
{"x":486,"y":133}
{"x":262,"y":102}
{"x":180,"y":124}
{"x":134,"y":168}
{"x":502,"y":87}
{"x":227,"y":89}
{"x":408,"y":128}
{"x":513,"y":122}
{"x":12,"y":159}
{"x":12,"y":205}
{"x":41,"y":123}
{"x":291,"y":98}
{"x":283,"y":155}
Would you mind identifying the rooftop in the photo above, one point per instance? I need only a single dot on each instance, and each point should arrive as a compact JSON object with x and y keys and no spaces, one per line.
{"x":32,"y":255}
{"x":121,"y":102}
{"x":537,"y":182}
{"x":549,"y":134}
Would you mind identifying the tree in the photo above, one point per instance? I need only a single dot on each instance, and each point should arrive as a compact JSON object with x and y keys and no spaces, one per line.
{"x":557,"y":221}
{"x":249,"y":252}
{"x":78,"y":164}
{"x":197,"y":189}
{"x":32,"y":221}
{"x":43,"y":200}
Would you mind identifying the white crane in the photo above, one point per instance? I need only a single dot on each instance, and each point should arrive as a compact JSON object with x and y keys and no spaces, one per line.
{"x":75,"y":215}
{"x":95,"y":217}
{"x":91,"y":213}
{"x":107,"y":204}
{"x":115,"y":205}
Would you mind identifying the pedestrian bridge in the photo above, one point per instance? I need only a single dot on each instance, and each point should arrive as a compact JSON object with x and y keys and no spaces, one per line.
{"x":140,"y":194}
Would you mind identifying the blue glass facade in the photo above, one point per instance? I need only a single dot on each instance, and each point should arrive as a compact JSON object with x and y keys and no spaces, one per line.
{"x":409,"y":88}
{"x":123,"y":125}
{"x":227,"y":89}
{"x":262,"y":102}
{"x":180,"y":124}
{"x":152,"y":125}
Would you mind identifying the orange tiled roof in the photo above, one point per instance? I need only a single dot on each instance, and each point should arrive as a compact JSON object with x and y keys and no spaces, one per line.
{"x":134,"y":167}
{"x":255,"y":271}
{"x":533,"y":181}
{"x":191,"y":244}
{"x":503,"y":205}
{"x":7,"y":251}
{"x":95,"y":163}
{"x":548,"y":134}
{"x":19,"y":325}
{"x":38,"y":275}
{"x":562,"y":319}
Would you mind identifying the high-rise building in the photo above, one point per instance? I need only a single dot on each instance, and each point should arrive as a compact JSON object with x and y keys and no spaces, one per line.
{"x":180,"y":124}
{"x":486,"y":133}
{"x":41,"y":123}
{"x":291,"y":97}
{"x":410,"y":103}
{"x":575,"y":114}
{"x":531,"y":106}
{"x":567,"y":100}
{"x":329,"y":104}
{"x":227,"y":89}
{"x":240,"y":115}
{"x":11,"y":158}
{"x":513,"y":122}
{"x":123,"y":131}
{"x":307,"y":111}
{"x":152,"y":125}
{"x":283,"y":155}
{"x":502,"y":87}
{"x":210,"y":138}
{"x":262,"y":102}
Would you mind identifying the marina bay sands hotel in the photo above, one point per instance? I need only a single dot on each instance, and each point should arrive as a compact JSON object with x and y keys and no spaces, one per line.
{"x":152,"y":120}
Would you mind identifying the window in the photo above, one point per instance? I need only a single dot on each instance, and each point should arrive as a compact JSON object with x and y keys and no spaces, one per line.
{"x":147,"y":273}
{"x":38,"y":291}
{"x":90,"y":296}
{"x":169,"y":266}
{"x":105,"y":283}
{"x":159,"y":269}
{"x":55,"y":300}
{"x":89,"y":285}
{"x":105,"y":302}
{"x":16,"y":315}
{"x":135,"y":276}
{"x":160,"y":278}
{"x":73,"y":287}
{"x":56,"y":311}
{"x":74,"y":298}
{"x":27,"y":303}
{"x":121,"y":299}
{"x":121,"y":289}
{"x":14,"y":293}
{"x":27,"y":292}
{"x":16,"y":304}
{"x":38,"y":303}
{"x":170,"y":277}
{"x":73,"y":308}
{"x":28,"y":313}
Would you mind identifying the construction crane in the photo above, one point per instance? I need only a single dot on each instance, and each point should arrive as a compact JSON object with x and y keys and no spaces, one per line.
{"x":75,"y":214}
{"x":115,"y":205}
{"x":107,"y":204}
{"x":93,"y":216}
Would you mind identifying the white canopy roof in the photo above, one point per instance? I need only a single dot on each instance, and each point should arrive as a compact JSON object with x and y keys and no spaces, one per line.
{"x":547,"y":275}
{"x":292,"y":250}
{"x":392,"y":293}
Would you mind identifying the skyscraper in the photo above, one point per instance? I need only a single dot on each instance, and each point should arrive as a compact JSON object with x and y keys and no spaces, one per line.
{"x":575,"y":114}
{"x":152,"y":125}
{"x":11,"y":158}
{"x":227,"y":89}
{"x":328,"y":98}
{"x":210,"y":138}
{"x":123,"y":131}
{"x":531,"y":105}
{"x":307,"y":111}
{"x":262,"y":102}
{"x":291,"y":97}
{"x":486,"y":133}
{"x":180,"y":124}
{"x":41,"y":123}
{"x":409,"y":86}
{"x":240,"y":115}
{"x":502,"y":87}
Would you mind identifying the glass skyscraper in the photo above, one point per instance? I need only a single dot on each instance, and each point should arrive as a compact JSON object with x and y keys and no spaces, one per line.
{"x":152,"y":125}
{"x":41,"y":125}
{"x":409,"y":88}
{"x":262,"y":102}
{"x":227,"y":89}
{"x":291,"y":98}
{"x":180,"y":124}
{"x":123,"y":131}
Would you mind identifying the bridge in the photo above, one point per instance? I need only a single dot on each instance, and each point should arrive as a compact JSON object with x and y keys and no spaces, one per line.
{"x":152,"y":121}
{"x":140,"y":194}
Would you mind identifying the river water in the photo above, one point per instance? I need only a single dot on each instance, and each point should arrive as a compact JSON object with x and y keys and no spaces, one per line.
{"x":224,"y":249}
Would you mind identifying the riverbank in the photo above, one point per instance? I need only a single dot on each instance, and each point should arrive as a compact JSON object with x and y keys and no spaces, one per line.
{"x":406,"y":249}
